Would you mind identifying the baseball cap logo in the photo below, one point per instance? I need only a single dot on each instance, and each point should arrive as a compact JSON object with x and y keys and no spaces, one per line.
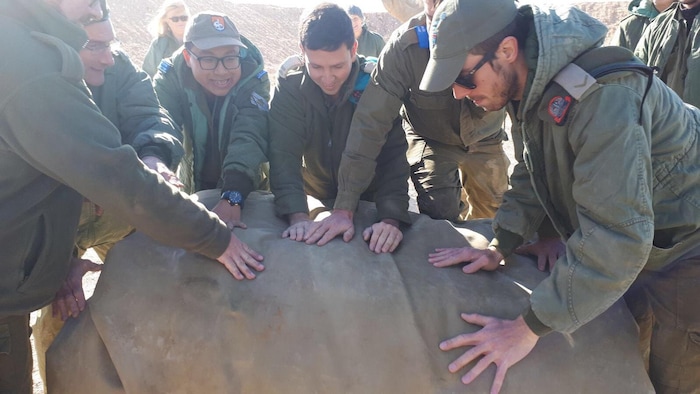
{"x":218,"y":22}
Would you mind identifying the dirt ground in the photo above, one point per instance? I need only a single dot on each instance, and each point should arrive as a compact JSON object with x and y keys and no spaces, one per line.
{"x":273,"y":29}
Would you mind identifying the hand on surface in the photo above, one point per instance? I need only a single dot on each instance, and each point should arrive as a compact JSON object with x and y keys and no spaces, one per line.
{"x":478,"y":259}
{"x":501,"y":342}
{"x":70,"y":298}
{"x":547,"y":251}
{"x":384,"y":236}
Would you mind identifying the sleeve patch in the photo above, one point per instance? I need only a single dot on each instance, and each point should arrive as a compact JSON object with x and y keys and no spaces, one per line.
{"x":558,"y":108}
{"x":258,"y":101}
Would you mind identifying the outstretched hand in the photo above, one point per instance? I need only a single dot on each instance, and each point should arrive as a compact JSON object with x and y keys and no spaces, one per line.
{"x":238,"y":257}
{"x":70,"y":298}
{"x":547,"y":251}
{"x":501,"y":342}
{"x":486,"y":259}
{"x":229,"y":214}
{"x":384,"y":236}
{"x":337,"y":223}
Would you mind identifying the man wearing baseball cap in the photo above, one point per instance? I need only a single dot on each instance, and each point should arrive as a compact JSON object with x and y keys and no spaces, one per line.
{"x":217,"y":90}
{"x":608,"y":152}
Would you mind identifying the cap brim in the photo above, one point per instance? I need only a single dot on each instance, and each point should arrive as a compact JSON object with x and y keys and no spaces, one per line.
{"x":214,"y":42}
{"x":441,"y":73}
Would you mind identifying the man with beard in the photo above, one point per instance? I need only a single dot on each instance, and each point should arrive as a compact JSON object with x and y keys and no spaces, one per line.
{"x":600,"y":156}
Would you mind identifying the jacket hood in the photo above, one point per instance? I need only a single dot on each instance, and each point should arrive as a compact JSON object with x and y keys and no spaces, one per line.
{"x":562,"y":35}
{"x":643,"y":8}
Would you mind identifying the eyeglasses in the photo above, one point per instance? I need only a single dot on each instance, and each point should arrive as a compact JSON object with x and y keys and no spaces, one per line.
{"x":467,"y":80}
{"x":100,"y":47}
{"x":181,"y":18}
{"x":209,"y":63}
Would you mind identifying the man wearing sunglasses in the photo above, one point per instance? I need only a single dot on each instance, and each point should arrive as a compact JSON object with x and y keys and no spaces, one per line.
{"x":608,"y":153}
{"x":217,"y":91}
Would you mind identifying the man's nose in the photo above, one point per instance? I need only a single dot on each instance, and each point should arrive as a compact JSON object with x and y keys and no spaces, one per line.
{"x":459,"y":92}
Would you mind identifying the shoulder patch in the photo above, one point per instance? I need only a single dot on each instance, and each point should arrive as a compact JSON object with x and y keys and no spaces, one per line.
{"x":261,"y":74}
{"x":423,"y":37}
{"x":260,"y":102}
{"x":165,"y":66}
{"x":558,"y":108}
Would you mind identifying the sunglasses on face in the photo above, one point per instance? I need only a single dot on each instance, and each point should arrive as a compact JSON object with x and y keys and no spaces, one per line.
{"x":181,"y":18}
{"x":467,"y":80}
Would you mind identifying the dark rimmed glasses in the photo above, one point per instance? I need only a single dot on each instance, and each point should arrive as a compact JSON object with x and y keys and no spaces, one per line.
{"x":181,"y":18}
{"x":467,"y":80}
{"x":209,"y":63}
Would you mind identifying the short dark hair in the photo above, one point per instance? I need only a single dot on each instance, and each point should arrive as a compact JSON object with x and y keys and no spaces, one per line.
{"x":518,"y":28}
{"x":326,"y":28}
{"x":354,"y":10}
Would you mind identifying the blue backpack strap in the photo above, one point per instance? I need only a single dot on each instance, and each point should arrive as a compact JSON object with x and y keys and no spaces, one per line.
{"x":423,"y":38}
{"x":362,"y":80}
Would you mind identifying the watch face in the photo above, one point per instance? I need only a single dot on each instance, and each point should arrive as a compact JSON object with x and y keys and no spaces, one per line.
{"x":233,"y":197}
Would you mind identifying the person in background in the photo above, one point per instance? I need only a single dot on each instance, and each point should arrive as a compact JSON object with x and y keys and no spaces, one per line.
{"x":216,"y":89}
{"x":125,"y":96}
{"x":608,"y":152}
{"x":168,"y":28}
{"x":671,"y":43}
{"x":310,"y":115}
{"x":57,"y":149}
{"x":369,"y":43}
{"x":630,"y":29}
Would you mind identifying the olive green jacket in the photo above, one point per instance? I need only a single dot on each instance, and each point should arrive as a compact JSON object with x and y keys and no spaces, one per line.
{"x":675,"y":49}
{"x":393,"y":93}
{"x":617,"y":176}
{"x":128,"y":100}
{"x":307,"y":139}
{"x":243,"y":128}
{"x":631,"y":27}
{"x":56,"y":147}
{"x":369,"y":43}
{"x":161,"y":48}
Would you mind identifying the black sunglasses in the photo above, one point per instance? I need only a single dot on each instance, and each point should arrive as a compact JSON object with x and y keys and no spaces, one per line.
{"x":467,"y":80}
{"x":182,"y":18}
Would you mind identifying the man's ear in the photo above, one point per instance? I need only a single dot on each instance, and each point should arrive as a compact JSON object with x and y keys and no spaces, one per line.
{"x":187,"y":57}
{"x":353,"y":51}
{"x":508,"y":49}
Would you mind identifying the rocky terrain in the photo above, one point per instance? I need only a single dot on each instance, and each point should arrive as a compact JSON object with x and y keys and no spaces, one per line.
{"x":274,"y":29}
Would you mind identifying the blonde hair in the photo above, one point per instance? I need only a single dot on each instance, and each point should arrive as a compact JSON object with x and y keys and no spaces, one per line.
{"x":158,"y":27}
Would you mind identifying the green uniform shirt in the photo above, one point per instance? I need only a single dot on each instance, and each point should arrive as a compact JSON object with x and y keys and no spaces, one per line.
{"x":630,"y":28}
{"x":672,"y":45}
{"x":56,"y":148}
{"x":393,"y":93}
{"x":307,"y":139}
{"x":161,"y":48}
{"x":620,"y":186}
{"x":241,"y":118}
{"x":369,"y":43}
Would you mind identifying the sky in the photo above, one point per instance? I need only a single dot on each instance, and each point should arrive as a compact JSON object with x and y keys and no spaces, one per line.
{"x":376,"y":5}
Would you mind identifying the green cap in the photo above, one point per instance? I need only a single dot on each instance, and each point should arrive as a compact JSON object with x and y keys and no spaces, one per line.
{"x":458,"y":26}
{"x":209,"y":30}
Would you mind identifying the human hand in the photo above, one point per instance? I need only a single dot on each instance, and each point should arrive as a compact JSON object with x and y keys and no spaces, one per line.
{"x":229,"y":214}
{"x":547,"y":251}
{"x":238,"y":256}
{"x":486,"y":259}
{"x":501,"y":342}
{"x":299,"y":226}
{"x":70,"y":298}
{"x":158,"y":166}
{"x":338,"y":222}
{"x":384,"y":236}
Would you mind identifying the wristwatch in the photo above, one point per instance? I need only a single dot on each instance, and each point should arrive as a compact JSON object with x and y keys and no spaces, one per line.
{"x":233,"y":197}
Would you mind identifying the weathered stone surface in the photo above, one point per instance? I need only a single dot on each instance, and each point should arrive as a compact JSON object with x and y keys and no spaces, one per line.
{"x":332,"y":319}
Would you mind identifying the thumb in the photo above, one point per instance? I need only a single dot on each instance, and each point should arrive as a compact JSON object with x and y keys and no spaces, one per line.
{"x":367,"y":234}
{"x":349,"y":233}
